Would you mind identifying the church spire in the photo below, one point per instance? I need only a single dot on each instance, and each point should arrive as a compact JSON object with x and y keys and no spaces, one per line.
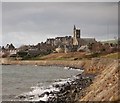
{"x":74,"y":27}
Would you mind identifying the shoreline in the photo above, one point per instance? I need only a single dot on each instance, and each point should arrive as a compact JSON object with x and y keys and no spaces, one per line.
{"x":96,"y":66}
{"x":70,"y":64}
{"x":61,"y":91}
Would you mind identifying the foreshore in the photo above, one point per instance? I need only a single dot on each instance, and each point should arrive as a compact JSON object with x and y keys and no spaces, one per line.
{"x":76,"y":64}
{"x":94,"y":65}
{"x":106,"y":71}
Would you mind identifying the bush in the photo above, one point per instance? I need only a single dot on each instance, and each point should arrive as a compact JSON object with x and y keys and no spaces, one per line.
{"x":13,"y":55}
{"x":22,"y":54}
{"x":92,"y":55}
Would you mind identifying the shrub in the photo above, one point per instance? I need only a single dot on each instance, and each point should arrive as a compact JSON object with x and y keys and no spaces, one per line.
{"x":22,"y":54}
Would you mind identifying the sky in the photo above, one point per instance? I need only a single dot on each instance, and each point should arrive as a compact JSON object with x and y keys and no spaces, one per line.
{"x":0,"y":23}
{"x":34,"y":22}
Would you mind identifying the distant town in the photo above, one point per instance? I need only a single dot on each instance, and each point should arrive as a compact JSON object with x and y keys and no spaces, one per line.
{"x":58,"y":45}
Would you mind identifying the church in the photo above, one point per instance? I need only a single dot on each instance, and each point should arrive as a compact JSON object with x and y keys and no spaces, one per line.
{"x":70,"y":42}
{"x":77,"y":40}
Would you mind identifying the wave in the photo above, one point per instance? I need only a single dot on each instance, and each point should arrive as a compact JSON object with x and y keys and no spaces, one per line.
{"x":57,"y":91}
{"x":72,"y":68}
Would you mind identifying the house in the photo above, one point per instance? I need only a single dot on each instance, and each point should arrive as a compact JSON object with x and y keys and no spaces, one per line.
{"x":8,"y":50}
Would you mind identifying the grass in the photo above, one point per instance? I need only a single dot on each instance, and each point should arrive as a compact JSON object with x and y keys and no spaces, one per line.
{"x":62,"y":56}
{"x":75,"y":56}
{"x":112,"y":55}
{"x":111,"y":41}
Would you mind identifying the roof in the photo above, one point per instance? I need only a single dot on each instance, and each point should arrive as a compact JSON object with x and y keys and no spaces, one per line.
{"x":89,"y":40}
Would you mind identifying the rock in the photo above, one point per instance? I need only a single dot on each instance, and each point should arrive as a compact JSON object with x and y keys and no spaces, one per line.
{"x":66,"y":91}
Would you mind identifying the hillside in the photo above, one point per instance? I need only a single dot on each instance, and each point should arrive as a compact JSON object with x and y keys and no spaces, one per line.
{"x":63,"y":56}
{"x":110,"y":41}
{"x":105,"y":85}
{"x":76,"y":56}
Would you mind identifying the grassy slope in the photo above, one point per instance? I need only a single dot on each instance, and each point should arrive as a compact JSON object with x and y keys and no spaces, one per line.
{"x":62,"y":56}
{"x":105,"y":85}
{"x":75,"y":56}
{"x":110,"y":41}
{"x":112,"y":55}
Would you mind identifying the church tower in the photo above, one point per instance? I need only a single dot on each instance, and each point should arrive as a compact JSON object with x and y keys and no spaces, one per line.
{"x":76,"y":36}
{"x":74,"y":30}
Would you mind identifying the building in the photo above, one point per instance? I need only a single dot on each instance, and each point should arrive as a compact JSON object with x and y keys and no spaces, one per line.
{"x":64,"y":44}
{"x":78,"y":41}
{"x":8,"y":50}
{"x":76,"y":36}
{"x":70,"y":43}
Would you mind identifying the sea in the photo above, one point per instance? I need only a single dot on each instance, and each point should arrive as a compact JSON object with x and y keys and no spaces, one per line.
{"x":19,"y":79}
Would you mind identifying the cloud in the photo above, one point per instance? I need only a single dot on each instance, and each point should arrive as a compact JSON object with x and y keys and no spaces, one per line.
{"x":21,"y":38}
{"x":0,"y":23}
{"x":40,"y":20}
{"x":60,"y":1}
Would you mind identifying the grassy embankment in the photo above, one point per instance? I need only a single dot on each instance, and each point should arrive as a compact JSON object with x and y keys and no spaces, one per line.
{"x":105,"y":86}
{"x":111,"y":41}
{"x":75,"y":56}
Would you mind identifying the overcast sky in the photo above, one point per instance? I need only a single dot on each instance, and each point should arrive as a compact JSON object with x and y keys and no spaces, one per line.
{"x":31,"y":23}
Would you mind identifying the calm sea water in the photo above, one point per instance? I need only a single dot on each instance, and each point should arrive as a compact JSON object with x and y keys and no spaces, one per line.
{"x":17,"y":79}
